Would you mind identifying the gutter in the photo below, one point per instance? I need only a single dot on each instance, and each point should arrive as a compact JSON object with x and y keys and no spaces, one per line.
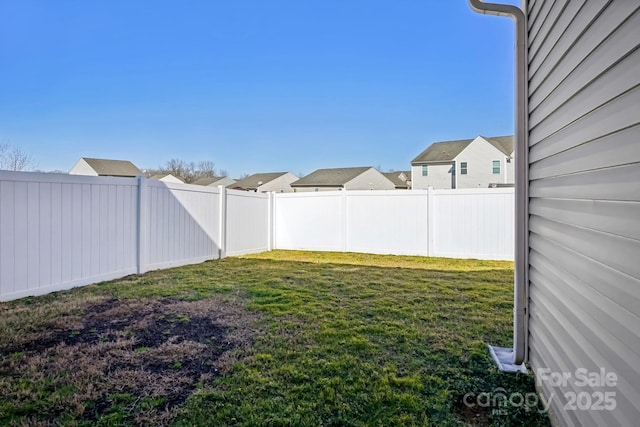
{"x":512,"y":360}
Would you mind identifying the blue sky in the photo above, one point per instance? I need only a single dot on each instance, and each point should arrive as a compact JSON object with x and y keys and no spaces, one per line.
{"x":254,"y":86}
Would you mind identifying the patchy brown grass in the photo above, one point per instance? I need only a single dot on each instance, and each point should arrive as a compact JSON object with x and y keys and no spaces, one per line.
{"x":100,"y":360}
{"x":284,"y":338}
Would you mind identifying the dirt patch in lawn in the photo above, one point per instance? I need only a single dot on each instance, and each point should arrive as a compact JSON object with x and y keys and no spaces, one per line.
{"x":121,"y":361}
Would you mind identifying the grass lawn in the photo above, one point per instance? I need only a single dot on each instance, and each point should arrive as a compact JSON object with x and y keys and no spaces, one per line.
{"x":283,"y":338}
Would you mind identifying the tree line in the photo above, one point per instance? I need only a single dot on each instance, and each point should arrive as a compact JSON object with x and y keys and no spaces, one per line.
{"x":15,"y":159}
{"x":187,"y":171}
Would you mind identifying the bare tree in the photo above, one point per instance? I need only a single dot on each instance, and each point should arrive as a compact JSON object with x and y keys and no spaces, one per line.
{"x":15,"y":159}
{"x":207,"y":169}
{"x":188,"y":171}
{"x":176,"y":167}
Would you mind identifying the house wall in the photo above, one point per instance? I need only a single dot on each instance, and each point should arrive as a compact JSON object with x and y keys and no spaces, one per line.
{"x":82,"y":168}
{"x":370,"y":179}
{"x":479,"y":155}
{"x":584,"y":138}
{"x":439,"y":177}
{"x":280,"y":184}
{"x":511,"y":175}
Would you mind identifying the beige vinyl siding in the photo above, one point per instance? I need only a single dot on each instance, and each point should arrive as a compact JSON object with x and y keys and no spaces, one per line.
{"x":82,"y":168}
{"x":584,"y":138}
{"x":370,"y":179}
{"x":439,"y":177}
{"x":280,"y":184}
{"x":480,"y":156}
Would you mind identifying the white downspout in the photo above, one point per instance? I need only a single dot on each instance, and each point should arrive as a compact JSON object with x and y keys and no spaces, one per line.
{"x":521,"y":287}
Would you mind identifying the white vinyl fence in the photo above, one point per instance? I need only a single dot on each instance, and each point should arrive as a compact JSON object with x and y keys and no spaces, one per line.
{"x":463,"y":223}
{"x":58,"y":231}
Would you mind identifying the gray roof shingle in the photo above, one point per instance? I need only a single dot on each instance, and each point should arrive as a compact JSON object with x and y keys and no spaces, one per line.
{"x":395,"y":178}
{"x":444,"y":151}
{"x":108,"y":167}
{"x":447,"y":151}
{"x":502,"y":143}
{"x":256,"y":180}
{"x":207,"y":181}
{"x":330,"y":177}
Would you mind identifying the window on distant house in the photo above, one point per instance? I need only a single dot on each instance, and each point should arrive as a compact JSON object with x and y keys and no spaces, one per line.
{"x":463,"y":168}
{"x":425,"y":170}
{"x":496,"y":166}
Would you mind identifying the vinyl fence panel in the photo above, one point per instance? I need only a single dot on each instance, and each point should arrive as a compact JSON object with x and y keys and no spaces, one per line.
{"x":474,"y":223}
{"x":387,"y":222}
{"x":309,"y":221}
{"x":59,"y":231}
{"x":247,"y":222}
{"x":182,"y":224}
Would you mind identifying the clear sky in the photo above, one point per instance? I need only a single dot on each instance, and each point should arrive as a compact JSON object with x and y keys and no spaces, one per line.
{"x":254,"y":86}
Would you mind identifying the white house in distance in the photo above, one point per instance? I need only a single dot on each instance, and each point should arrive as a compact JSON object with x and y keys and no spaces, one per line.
{"x":265,"y":182}
{"x":104,"y":167}
{"x":167,"y":177}
{"x":358,"y":178}
{"x":469,"y":163}
{"x":214,"y":181}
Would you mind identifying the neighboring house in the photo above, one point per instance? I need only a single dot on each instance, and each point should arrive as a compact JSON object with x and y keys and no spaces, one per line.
{"x":265,"y":182}
{"x":167,"y":177}
{"x":215,"y":181}
{"x":578,"y":193}
{"x":104,"y":167}
{"x":466,"y":163}
{"x":360,"y":178}
{"x":401,"y":179}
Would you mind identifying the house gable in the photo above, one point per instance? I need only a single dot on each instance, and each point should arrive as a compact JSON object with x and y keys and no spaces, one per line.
{"x":214,"y":181}
{"x":261,"y":181}
{"x":356,"y":178}
{"x":281,"y":184}
{"x":82,"y":168}
{"x":104,"y":167}
{"x":167,"y":177}
{"x":479,"y":157}
{"x":371,"y":179}
{"x":441,"y":152}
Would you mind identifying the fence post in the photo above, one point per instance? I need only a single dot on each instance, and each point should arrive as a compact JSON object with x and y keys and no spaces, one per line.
{"x":222,"y":251}
{"x":345,"y":221}
{"x":143,"y":222}
{"x":270,"y":220}
{"x":430,"y":221}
